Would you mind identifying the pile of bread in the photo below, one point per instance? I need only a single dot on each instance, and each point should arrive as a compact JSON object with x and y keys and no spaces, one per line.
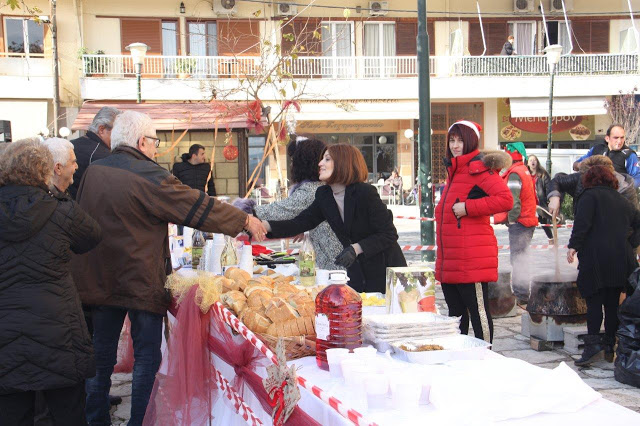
{"x":269,"y":304}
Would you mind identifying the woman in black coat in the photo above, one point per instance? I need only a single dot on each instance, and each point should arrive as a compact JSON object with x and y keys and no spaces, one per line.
{"x":357,"y":216}
{"x":605,"y":234}
{"x":44,"y":342}
{"x":541,"y":180}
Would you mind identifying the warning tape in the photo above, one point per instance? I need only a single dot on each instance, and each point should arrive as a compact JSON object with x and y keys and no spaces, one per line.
{"x":433,"y":248}
{"x":430,"y":219}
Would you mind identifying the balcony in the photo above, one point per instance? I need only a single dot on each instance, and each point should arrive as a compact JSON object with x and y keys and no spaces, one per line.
{"x":25,"y":76}
{"x":358,"y":67}
{"x":360,"y":77}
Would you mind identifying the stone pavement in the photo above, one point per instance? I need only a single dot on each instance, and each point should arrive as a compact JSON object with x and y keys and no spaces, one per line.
{"x":507,"y":338}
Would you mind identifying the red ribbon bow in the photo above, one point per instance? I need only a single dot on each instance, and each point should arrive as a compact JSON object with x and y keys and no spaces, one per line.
{"x":277,"y":395}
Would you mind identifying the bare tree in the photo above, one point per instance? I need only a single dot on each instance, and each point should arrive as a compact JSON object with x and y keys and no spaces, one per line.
{"x":624,"y":109}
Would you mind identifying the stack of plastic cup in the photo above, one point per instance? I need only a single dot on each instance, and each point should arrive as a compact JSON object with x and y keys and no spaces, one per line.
{"x":334,"y":358}
{"x":405,"y":390}
{"x":365,"y":352}
{"x":377,"y":389}
{"x":218,"y":248}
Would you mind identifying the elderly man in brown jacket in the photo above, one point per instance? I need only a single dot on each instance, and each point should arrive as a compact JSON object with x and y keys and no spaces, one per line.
{"x":133,"y":199}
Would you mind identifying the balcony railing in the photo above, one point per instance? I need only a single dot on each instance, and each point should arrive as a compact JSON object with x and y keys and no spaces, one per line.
{"x":358,"y":67}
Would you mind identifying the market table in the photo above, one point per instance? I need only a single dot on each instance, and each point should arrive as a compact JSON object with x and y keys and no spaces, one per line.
{"x":225,"y":412}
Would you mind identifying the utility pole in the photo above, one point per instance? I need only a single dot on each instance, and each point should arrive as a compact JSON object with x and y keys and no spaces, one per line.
{"x":427,"y":234}
{"x":56,"y":71}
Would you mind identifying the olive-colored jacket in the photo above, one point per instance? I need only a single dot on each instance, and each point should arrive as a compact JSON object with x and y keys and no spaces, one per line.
{"x":133,"y":199}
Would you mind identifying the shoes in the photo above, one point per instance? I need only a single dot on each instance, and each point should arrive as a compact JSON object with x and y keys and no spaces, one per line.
{"x":609,"y":342}
{"x":114,"y":400}
{"x":593,"y":350}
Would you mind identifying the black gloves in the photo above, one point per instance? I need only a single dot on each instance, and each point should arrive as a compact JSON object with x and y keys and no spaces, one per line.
{"x":346,"y":257}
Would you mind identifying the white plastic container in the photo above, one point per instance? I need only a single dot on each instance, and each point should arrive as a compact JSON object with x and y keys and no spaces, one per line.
{"x":459,"y":347}
{"x":365,"y":352}
{"x":405,"y":390}
{"x":347,"y":365}
{"x":334,"y":358}
{"x":377,"y":389}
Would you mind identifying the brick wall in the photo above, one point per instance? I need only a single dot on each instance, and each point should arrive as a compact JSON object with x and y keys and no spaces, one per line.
{"x":225,"y":172}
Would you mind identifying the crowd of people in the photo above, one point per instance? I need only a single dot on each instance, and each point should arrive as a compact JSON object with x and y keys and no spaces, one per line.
{"x":84,"y":243}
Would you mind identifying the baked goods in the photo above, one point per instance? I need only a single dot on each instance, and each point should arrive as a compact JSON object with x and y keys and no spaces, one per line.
{"x":255,"y":320}
{"x":229,"y":285}
{"x":278,"y":310}
{"x":234,"y":300}
{"x":295,"y":327}
{"x":259,"y":298}
{"x":240,"y":276}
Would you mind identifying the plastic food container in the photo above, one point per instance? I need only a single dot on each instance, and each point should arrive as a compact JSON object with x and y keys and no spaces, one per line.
{"x":377,"y":388}
{"x":405,"y":390}
{"x":334,"y":358}
{"x":459,"y":347}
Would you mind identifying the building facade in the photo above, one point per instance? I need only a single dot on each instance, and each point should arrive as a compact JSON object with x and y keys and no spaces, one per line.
{"x":352,"y":75}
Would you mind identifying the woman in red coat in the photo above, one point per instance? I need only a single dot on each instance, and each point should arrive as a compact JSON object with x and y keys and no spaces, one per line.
{"x":467,"y":256}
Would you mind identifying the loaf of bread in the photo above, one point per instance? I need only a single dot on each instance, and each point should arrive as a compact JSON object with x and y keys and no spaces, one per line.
{"x":279,"y":311}
{"x":255,"y":320}
{"x":299,"y":298}
{"x":234,"y":300}
{"x":240,"y":276}
{"x":259,"y":298}
{"x":256,"y":287}
{"x":302,"y":326}
{"x":306,"y":309}
{"x":284,"y":290}
{"x":229,"y":285}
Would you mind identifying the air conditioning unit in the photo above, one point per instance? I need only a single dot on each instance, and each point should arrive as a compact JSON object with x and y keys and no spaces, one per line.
{"x":556,"y":6}
{"x":225,"y":7}
{"x":523,"y":6}
{"x":378,"y":8}
{"x":286,"y":9}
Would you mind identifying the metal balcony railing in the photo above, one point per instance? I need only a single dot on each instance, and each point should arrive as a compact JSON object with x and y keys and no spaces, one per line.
{"x":358,"y":67}
{"x":25,"y":65}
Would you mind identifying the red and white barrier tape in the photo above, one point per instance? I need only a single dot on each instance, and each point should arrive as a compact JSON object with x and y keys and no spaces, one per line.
{"x":430,"y":219}
{"x":501,"y":247}
{"x":241,"y":407}
{"x":225,"y":315}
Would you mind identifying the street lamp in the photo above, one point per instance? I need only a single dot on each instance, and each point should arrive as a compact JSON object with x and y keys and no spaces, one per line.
{"x":552,"y":53}
{"x":138,"y":52}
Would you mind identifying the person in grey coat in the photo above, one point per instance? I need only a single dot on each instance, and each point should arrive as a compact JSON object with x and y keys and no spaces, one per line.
{"x":305,"y":155}
{"x":509,"y":47}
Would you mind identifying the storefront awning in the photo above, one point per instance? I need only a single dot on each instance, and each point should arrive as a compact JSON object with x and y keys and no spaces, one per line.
{"x":562,"y":106}
{"x":374,"y":110}
{"x":180,"y":116}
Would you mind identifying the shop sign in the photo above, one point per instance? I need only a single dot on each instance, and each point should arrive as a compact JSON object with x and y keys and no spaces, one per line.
{"x":340,"y":126}
{"x":534,"y":129}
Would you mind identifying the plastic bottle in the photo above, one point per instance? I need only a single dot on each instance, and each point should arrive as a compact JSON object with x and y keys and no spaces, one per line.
{"x":196,"y":248}
{"x":307,"y":262}
{"x":338,"y":317}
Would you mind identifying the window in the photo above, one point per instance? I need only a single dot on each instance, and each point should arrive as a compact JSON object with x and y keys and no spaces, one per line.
{"x":337,"y":41}
{"x":559,"y":34}
{"x":203,"y":41}
{"x":525,"y":35}
{"x":169,"y":46}
{"x":256,"y":151}
{"x":628,"y":41}
{"x":379,"y":46}
{"x":24,"y":36}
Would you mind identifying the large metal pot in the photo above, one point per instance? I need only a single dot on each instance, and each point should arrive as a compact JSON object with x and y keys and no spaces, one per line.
{"x":501,"y":298}
{"x":556,"y":294}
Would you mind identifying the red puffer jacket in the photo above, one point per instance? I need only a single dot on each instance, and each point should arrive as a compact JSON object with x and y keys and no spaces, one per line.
{"x":467,"y":248}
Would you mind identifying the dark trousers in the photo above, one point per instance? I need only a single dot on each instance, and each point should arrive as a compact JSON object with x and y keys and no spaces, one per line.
{"x":66,"y":406}
{"x":519,"y":240}
{"x":609,"y":298}
{"x":146,"y":332}
{"x":462,"y":301}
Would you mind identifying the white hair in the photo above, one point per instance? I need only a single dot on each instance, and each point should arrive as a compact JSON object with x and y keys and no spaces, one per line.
{"x":59,"y":149}
{"x":105,"y":118}
{"x":129,"y":127}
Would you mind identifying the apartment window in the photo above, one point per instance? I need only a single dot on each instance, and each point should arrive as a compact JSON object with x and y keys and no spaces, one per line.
{"x":23,"y":36}
{"x":628,"y":41}
{"x":169,"y":47}
{"x":337,"y":42}
{"x":203,"y":39}
{"x":525,"y":37}
{"x":380,"y":48}
{"x":560,"y":34}
{"x":256,"y":151}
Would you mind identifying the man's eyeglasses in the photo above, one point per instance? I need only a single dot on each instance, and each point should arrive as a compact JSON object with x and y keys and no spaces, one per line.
{"x":157,"y":140}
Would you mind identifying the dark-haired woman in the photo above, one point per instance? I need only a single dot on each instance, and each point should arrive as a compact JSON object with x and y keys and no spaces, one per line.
{"x":541,"y":181}
{"x":305,"y":155}
{"x":194,"y":170}
{"x":467,"y":256}
{"x":355,"y":213}
{"x":605,"y":234}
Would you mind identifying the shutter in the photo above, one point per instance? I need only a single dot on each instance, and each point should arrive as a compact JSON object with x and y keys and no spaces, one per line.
{"x":240,"y":38}
{"x":406,"y":33}
{"x":600,"y":36}
{"x":302,"y":30}
{"x":2,"y":46}
{"x":581,"y":33}
{"x":495,"y":34}
{"x":147,"y":31}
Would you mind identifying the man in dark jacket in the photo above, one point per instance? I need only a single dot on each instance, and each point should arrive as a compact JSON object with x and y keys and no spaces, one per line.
{"x":194,"y":170}
{"x":133,"y":199}
{"x":508,"y":49}
{"x":44,"y":342}
{"x":93,"y":146}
